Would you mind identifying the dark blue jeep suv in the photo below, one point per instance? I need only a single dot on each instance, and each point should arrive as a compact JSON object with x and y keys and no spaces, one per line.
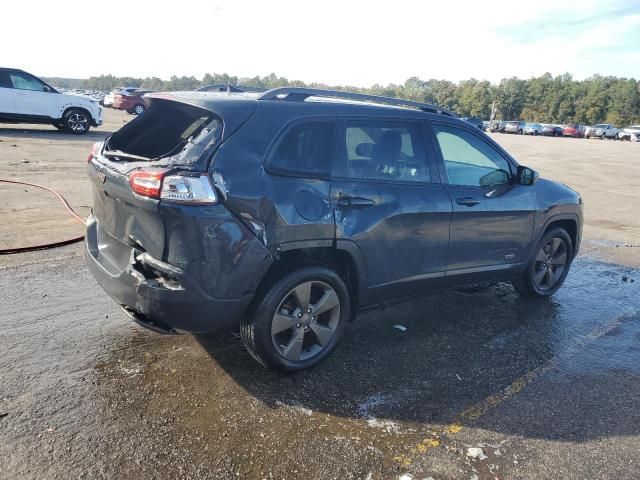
{"x":284,"y":212}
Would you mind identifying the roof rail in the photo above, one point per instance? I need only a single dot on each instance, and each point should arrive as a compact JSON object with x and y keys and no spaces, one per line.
{"x":220,"y":87}
{"x":301,"y":94}
{"x":225,"y":87}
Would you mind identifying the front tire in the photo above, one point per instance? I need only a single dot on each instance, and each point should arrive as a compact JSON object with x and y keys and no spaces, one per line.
{"x":297,"y":321}
{"x":138,"y":109}
{"x":547,"y":270}
{"x":76,"y":121}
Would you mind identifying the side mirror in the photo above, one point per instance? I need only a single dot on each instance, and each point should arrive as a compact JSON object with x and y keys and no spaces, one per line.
{"x":47,"y":89}
{"x":527,"y":176}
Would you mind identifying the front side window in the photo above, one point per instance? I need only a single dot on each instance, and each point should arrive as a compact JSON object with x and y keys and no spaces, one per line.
{"x":26,"y":82}
{"x":470,"y":161}
{"x":305,"y":149}
{"x":383,"y":150}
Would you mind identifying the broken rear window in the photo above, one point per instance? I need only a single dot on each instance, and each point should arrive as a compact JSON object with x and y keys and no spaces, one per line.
{"x":162,"y":131}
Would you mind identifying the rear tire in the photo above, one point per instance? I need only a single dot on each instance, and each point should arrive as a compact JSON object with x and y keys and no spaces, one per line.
{"x":76,"y":121}
{"x":296,"y":321}
{"x":548,"y":268}
{"x":138,"y":109}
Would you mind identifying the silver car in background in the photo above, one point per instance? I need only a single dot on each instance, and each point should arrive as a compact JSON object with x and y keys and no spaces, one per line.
{"x":532,"y":129}
{"x":602,"y":131}
{"x":514,"y":127}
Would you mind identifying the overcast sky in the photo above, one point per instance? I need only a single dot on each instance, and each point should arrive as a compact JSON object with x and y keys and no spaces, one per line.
{"x":335,"y":42}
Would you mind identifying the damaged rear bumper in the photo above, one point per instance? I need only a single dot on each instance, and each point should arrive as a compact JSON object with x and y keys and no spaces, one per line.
{"x":155,"y":294}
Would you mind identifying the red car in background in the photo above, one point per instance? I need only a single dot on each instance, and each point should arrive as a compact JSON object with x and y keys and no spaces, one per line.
{"x":132,"y":102}
{"x":573,"y":130}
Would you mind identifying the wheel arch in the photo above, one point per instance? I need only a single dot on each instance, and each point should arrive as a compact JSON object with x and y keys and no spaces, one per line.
{"x":72,"y":107}
{"x":344,"y":259}
{"x":569,"y":223}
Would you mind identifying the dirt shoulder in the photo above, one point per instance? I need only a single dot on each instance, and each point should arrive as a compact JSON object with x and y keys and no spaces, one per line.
{"x":43,"y":155}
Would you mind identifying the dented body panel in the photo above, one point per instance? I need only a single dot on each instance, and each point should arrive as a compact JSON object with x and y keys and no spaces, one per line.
{"x":198,"y":274}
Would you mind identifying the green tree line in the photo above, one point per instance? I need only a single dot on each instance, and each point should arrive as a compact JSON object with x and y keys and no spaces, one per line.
{"x":546,"y":99}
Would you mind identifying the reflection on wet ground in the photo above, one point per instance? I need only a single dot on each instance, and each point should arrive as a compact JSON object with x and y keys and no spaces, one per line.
{"x":476,"y":367}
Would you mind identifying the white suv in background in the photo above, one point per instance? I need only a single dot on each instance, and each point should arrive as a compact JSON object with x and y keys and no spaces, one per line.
{"x":25,"y":98}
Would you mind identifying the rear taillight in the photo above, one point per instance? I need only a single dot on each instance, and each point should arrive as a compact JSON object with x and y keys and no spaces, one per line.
{"x":94,"y":151}
{"x":147,"y":182}
{"x":155,"y":183}
{"x":183,"y":189}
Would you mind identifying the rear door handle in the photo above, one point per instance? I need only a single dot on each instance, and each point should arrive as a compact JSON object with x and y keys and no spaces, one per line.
{"x":347,"y":201}
{"x":467,"y":201}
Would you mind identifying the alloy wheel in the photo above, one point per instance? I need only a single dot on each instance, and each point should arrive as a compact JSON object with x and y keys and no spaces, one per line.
{"x":550,"y":264}
{"x":77,"y":122}
{"x":305,"y":321}
{"x":138,"y":109}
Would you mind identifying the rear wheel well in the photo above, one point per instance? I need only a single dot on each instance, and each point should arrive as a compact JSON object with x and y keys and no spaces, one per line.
{"x":337,"y":260}
{"x":571,"y":228}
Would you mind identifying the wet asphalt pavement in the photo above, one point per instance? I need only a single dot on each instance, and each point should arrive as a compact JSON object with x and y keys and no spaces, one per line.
{"x":546,"y":389}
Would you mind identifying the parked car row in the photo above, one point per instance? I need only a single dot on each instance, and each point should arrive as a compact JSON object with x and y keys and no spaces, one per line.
{"x":96,"y":95}
{"x":575,"y":130}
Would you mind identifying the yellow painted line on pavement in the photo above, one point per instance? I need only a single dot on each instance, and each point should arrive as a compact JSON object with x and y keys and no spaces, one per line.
{"x":483,"y":407}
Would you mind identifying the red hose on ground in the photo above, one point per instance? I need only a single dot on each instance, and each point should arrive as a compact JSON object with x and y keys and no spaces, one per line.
{"x":44,"y":246}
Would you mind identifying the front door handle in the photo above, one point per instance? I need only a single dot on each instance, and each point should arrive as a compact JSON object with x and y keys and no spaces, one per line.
{"x":347,"y":201}
{"x":468,"y":201}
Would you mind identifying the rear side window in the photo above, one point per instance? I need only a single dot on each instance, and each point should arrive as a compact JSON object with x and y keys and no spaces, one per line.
{"x":383,"y":150}
{"x":305,"y":150}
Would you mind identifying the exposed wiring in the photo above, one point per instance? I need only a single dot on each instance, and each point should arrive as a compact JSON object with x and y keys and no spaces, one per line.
{"x":45,"y":246}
